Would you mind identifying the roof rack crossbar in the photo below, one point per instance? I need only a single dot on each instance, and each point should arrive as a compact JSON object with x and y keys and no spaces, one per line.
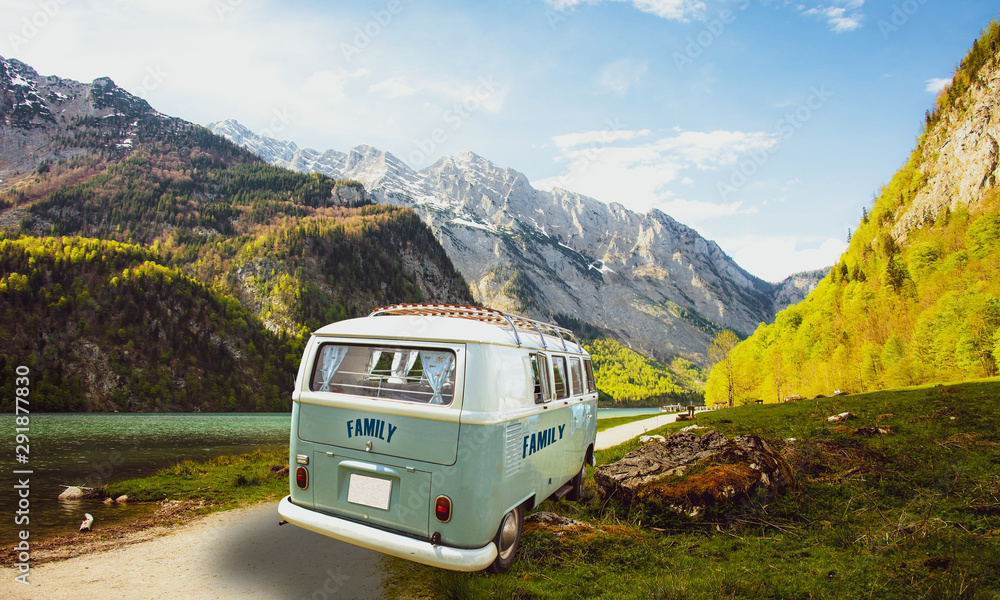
{"x":486,"y":315}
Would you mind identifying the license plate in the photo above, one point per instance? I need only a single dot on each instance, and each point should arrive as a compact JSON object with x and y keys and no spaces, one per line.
{"x":369,"y":491}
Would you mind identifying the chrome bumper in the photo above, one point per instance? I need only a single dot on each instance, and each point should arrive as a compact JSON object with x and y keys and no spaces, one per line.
{"x":443,"y":557}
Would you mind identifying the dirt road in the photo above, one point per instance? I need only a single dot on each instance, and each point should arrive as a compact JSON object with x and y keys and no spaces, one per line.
{"x":240,"y":553}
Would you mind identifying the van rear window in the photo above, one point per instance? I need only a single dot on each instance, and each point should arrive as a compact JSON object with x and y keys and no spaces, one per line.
{"x":386,"y":372}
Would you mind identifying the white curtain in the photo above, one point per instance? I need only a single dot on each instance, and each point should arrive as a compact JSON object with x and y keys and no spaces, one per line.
{"x":330,"y":359}
{"x":402,"y":362}
{"x":373,"y":361}
{"x":436,"y":367}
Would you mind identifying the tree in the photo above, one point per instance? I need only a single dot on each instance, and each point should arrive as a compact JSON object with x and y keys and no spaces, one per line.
{"x":720,"y":356}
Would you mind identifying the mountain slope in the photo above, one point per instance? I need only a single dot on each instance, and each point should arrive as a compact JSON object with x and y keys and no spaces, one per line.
{"x":648,"y":280}
{"x":916,"y":297}
{"x":106,"y":326}
{"x":268,"y":252}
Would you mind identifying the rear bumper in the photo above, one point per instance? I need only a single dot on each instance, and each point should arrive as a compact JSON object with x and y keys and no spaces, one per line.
{"x":444,"y":557}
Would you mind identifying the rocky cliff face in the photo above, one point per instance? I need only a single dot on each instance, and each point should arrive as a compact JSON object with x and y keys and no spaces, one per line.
{"x":652,"y":282}
{"x":961,"y":160}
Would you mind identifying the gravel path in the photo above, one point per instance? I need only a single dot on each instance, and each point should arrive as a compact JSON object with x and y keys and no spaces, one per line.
{"x":240,"y":553}
{"x":623,"y":433}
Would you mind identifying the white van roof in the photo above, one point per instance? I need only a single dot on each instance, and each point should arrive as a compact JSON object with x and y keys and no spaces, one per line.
{"x":455,"y":323}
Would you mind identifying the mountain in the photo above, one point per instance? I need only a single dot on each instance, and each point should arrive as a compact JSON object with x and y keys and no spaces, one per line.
{"x":916,"y":297}
{"x":148,"y":264}
{"x":649,"y":281}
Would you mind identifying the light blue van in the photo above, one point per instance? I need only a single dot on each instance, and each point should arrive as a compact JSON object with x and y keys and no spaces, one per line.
{"x":425,"y":431}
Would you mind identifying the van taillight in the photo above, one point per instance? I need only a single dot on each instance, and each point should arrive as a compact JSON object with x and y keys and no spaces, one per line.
{"x":301,"y":477}
{"x":442,"y":509}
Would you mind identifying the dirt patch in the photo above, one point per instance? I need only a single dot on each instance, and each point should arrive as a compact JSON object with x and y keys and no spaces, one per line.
{"x":170,"y":514}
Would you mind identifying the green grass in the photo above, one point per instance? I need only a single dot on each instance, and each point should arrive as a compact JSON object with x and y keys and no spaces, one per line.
{"x":222,"y":482}
{"x":911,"y":515}
{"x":610,"y":422}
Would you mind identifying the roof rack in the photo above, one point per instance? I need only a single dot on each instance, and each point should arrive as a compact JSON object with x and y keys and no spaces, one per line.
{"x":484,"y":315}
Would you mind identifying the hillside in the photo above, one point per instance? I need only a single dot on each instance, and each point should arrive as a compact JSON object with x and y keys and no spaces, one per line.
{"x":628,"y":378}
{"x":151,"y":265}
{"x":650,"y":282}
{"x":106,"y":326}
{"x":916,"y":297}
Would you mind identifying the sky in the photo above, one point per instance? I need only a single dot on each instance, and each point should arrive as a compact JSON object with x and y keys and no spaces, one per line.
{"x":766,"y":125}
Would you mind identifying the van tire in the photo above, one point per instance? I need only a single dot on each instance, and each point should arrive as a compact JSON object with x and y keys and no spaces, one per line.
{"x":577,"y":482}
{"x":507,"y":540}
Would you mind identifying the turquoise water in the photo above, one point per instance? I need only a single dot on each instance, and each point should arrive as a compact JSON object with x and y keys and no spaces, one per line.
{"x":95,"y":449}
{"x":605,"y":413}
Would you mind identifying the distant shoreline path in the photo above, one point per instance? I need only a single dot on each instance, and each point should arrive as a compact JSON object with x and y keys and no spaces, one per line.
{"x":240,"y":553}
{"x":623,"y":433}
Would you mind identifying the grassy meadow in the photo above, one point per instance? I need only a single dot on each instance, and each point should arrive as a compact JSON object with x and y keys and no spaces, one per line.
{"x":912,"y":514}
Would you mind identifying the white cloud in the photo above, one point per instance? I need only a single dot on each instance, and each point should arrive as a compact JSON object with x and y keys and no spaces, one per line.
{"x":619,"y":76}
{"x":393,"y":87}
{"x":676,"y":10}
{"x":775,"y":258}
{"x":635,"y":168}
{"x":936,"y":84}
{"x":330,"y":85}
{"x":841,"y":16}
{"x":693,"y":211}
{"x":589,"y":138}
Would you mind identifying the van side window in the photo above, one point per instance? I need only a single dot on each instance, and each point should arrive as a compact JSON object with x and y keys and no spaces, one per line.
{"x":540,"y":377}
{"x":559,"y":371}
{"x":576,"y":376}
{"x":588,"y":368}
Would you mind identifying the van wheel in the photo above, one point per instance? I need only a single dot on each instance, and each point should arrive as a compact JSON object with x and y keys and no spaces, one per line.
{"x":576,"y":493}
{"x":507,"y":540}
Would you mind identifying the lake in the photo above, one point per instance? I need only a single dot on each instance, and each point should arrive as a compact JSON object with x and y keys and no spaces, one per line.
{"x":97,"y":448}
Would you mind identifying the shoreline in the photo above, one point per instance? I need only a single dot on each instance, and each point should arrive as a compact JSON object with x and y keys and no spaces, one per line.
{"x":164,"y":520}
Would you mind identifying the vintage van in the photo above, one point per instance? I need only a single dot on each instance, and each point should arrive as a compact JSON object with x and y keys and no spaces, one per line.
{"x":426,"y":431}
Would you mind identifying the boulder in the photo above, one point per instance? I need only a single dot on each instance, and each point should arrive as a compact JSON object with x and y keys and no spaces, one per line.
{"x":688,"y":473}
{"x":844,"y":416}
{"x":71,"y":493}
{"x":549,"y":520}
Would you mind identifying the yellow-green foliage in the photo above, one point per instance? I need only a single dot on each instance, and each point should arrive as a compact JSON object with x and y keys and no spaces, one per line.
{"x":624,"y":375}
{"x":889,"y":315}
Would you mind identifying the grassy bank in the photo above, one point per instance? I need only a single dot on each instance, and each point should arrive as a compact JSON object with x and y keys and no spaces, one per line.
{"x":912,"y":514}
{"x":221,"y":483}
